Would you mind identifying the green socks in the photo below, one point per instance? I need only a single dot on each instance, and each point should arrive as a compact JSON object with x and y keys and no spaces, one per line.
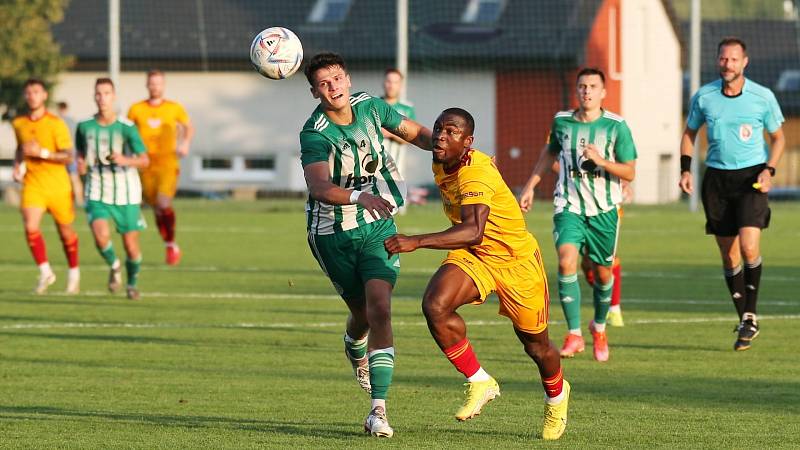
{"x":602,"y":300}
{"x":381,"y":368}
{"x":569,"y":292}
{"x":133,"y":266}
{"x":356,"y":348}
{"x":108,"y":254}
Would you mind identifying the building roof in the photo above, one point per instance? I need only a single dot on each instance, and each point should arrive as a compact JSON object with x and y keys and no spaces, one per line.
{"x":215,"y":34}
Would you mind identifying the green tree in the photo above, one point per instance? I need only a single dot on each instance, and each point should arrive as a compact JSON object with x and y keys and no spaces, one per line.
{"x":27,"y":47}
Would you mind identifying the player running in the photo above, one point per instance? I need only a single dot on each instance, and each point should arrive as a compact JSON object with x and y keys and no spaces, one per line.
{"x":44,"y":148}
{"x":490,"y":250}
{"x":109,"y":152}
{"x":595,"y":151}
{"x":167,"y":133}
{"x":354,"y":189}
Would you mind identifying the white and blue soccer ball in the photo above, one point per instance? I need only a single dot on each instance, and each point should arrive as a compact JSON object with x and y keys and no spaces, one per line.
{"x":276,"y":53}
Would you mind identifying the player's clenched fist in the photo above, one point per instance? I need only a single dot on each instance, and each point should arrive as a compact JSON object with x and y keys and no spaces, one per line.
{"x":378,"y":207}
{"x":400,"y":243}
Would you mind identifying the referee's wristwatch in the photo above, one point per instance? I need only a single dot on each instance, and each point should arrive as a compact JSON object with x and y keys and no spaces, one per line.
{"x":771,"y":170}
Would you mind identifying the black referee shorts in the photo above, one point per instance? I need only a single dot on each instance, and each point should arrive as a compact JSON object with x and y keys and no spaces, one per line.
{"x":731,"y":202}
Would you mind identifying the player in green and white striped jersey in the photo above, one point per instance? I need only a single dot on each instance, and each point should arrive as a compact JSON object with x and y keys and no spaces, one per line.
{"x":595,"y":152}
{"x":354,"y":189}
{"x":109,"y":152}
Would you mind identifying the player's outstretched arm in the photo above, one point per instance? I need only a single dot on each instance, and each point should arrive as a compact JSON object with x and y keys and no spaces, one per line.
{"x":546,"y":161}
{"x":687,"y":148}
{"x":321,"y":189}
{"x":413,"y":132}
{"x":461,"y":235}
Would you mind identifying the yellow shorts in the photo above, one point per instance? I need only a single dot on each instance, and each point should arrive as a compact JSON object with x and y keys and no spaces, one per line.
{"x":521,"y":287}
{"x":58,"y":203}
{"x":159,"y":180}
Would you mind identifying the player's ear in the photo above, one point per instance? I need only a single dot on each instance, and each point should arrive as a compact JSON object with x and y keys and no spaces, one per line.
{"x":349,"y":84}
{"x":746,"y":61}
{"x":468,"y":141}
{"x":314,"y":92}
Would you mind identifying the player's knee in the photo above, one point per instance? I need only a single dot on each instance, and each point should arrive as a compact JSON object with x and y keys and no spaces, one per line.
{"x":434,"y":306}
{"x":750,"y":251}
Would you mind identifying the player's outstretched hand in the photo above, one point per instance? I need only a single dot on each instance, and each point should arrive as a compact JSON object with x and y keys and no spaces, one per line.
{"x":526,"y":199}
{"x":686,"y":182}
{"x":400,"y":243}
{"x":378,"y":207}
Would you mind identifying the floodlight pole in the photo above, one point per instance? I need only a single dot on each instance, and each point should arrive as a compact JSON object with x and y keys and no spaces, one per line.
{"x":694,"y":85}
{"x":401,"y":58}
{"x":113,"y":41}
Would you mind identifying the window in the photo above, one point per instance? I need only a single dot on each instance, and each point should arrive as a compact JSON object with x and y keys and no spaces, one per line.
{"x":483,"y":11}
{"x":329,"y":11}
{"x":217,"y":164}
{"x":259,"y":164}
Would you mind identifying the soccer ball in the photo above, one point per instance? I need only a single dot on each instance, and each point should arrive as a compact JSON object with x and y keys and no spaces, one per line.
{"x":276,"y":53}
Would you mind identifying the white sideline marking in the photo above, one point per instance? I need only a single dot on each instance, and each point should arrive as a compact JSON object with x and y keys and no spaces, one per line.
{"x":280,"y":325}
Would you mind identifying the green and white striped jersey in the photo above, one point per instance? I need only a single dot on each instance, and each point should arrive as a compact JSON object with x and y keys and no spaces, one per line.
{"x":357,"y":160}
{"x":579,"y":191}
{"x":105,"y":181}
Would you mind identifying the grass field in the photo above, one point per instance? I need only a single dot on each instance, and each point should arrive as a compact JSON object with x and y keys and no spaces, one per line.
{"x":240,"y":346}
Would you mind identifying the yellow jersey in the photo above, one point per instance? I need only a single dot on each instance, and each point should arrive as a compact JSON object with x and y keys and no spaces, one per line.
{"x":51,"y":132}
{"x":158,"y":126}
{"x":476,"y":180}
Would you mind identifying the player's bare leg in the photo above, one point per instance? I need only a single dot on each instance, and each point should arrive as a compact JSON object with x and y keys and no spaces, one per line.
{"x":69,"y":240}
{"x":165,"y":218}
{"x":355,"y":341}
{"x":380,"y":345}
{"x":32,"y":220}
{"x":102,"y":241}
{"x":449,"y":289}
{"x":546,"y":356}
{"x":569,"y":293}
{"x":133,"y":262}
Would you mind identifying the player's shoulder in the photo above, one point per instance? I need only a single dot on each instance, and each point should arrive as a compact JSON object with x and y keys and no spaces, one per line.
{"x":563,"y":116}
{"x":759,"y":90}
{"x":613,"y":116}
{"x":20,"y":121}
{"x":317,"y":123}
{"x":138,"y":105}
{"x":362,"y":97}
{"x":475,"y":160}
{"x":125,"y":121}
{"x":86,"y":121}
{"x":709,"y":88}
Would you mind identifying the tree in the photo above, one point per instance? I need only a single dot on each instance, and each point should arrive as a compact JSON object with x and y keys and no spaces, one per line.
{"x":27,"y":47}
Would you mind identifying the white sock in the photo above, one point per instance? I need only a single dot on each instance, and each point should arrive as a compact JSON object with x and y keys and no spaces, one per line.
{"x":615,"y":308}
{"x":376,"y":402}
{"x":116,"y":264}
{"x":480,"y":375}
{"x":45,"y":269}
{"x":171,"y":244}
{"x":576,"y":332}
{"x":554,"y":400}
{"x":599,"y":327}
{"x":74,"y":272}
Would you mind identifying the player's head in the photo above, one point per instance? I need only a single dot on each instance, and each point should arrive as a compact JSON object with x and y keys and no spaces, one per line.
{"x":452,"y":135}
{"x":35,"y":93}
{"x":731,"y":58}
{"x":392,"y":83}
{"x":590,"y":87}
{"x":155,"y":84}
{"x":104,"y":95}
{"x":62,"y":107}
{"x":330,"y":82}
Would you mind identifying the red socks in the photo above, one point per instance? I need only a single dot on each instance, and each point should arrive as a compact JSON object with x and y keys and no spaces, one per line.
{"x":71,"y":250}
{"x":463,"y":358}
{"x":36,"y":244}
{"x":554,"y":384}
{"x":616,"y":291}
{"x":165,"y":219}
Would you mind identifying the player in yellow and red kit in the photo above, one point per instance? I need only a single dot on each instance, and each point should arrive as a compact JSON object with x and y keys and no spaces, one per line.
{"x":167,"y":132}
{"x":44,"y":148}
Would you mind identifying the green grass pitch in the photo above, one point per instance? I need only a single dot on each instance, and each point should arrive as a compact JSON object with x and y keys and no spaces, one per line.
{"x":240,"y":345}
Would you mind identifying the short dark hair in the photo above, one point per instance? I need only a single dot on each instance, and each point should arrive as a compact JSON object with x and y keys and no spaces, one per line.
{"x":731,"y":40}
{"x":62,"y":105}
{"x":464,"y":114}
{"x":155,"y":72}
{"x":393,"y":70}
{"x":105,"y":80}
{"x":320,"y":61}
{"x":33,"y":82}
{"x":591,"y":71}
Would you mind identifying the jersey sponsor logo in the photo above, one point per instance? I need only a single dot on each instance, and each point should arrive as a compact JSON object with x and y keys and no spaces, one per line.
{"x":471,"y":194}
{"x":745,"y":132}
{"x":154,"y":122}
{"x":362,"y":180}
{"x":370,"y":166}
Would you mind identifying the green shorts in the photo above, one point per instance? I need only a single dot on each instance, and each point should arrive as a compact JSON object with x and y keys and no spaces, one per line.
{"x":127,"y":218}
{"x":595,"y":235}
{"x":351,"y":258}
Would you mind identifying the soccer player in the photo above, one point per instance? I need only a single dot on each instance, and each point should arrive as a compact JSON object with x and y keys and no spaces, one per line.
{"x":167,"y":133}
{"x":490,"y":250}
{"x":354,"y":188}
{"x":109,"y":152}
{"x":392,"y":86}
{"x":740,"y":165}
{"x":44,"y":148}
{"x":595,"y":152}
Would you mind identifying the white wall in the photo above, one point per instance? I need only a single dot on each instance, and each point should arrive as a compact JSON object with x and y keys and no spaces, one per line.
{"x":242,"y":113}
{"x":651,"y":97}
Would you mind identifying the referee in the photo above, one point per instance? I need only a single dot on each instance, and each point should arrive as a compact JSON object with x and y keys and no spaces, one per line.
{"x":736,"y":111}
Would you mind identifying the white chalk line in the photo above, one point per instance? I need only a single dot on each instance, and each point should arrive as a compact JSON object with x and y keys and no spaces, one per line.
{"x":293,"y":325}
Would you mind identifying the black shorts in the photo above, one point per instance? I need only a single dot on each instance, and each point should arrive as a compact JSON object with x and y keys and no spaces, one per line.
{"x":731,"y":202}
